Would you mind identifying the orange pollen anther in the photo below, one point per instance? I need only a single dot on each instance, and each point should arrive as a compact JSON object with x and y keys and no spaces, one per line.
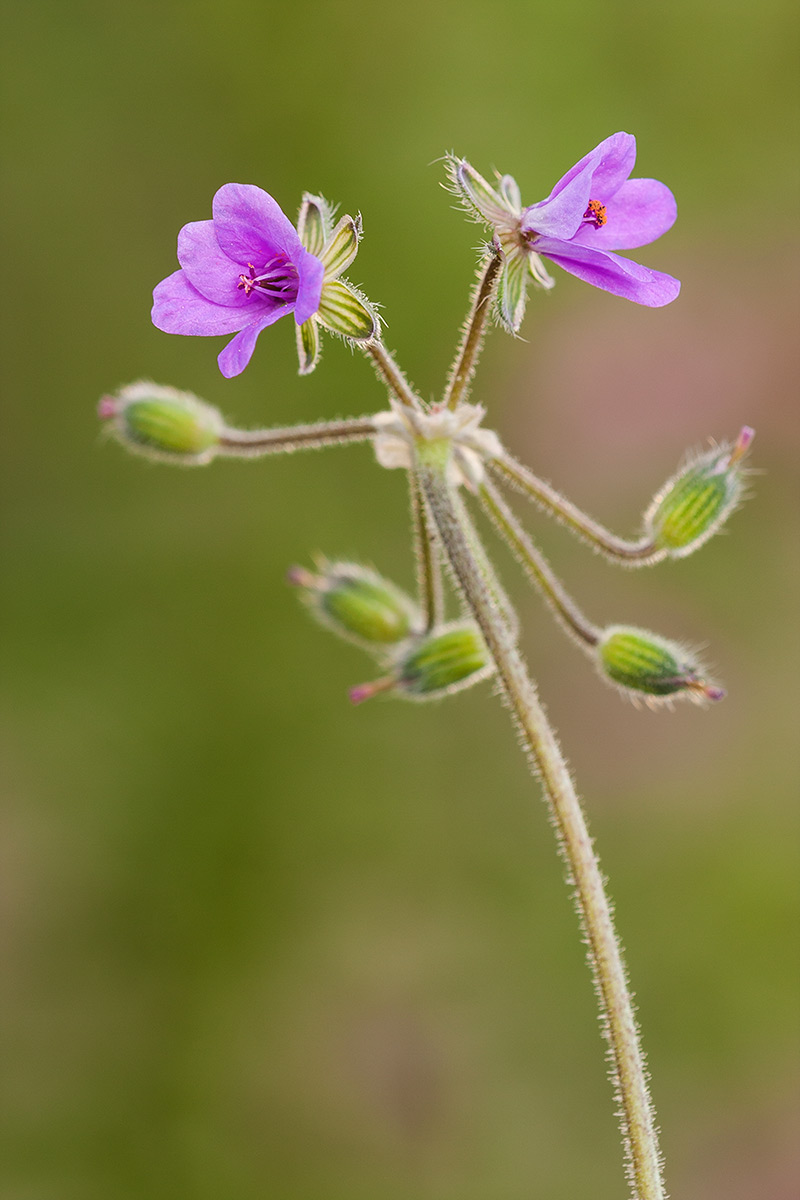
{"x":596,"y":214}
{"x":248,"y":282}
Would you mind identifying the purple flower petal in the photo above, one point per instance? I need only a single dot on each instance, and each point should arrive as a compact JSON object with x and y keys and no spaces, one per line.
{"x":598,"y":176}
{"x":251,"y":227}
{"x":310,"y":272}
{"x":641,"y":211}
{"x":611,"y":163}
{"x":209,"y":270}
{"x":179,"y":308}
{"x":239,"y":350}
{"x":620,"y":276}
{"x":561,"y":214}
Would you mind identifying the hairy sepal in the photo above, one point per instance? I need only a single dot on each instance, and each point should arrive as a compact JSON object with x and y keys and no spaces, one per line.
{"x":341,"y":247}
{"x":309,"y":345}
{"x":314,"y":222}
{"x":342,"y":310}
{"x":512,"y":289}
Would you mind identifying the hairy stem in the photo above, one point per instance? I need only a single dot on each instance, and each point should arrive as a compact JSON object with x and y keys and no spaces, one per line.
{"x":474,"y":331}
{"x":634,"y":554}
{"x":390,"y":373}
{"x":427,"y":554}
{"x":605,"y":957}
{"x":252,"y":443}
{"x":538,"y":569}
{"x":498,"y":593}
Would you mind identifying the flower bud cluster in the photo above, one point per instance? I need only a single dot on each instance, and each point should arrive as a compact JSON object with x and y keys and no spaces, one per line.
{"x":360,"y":605}
{"x":696,"y":502}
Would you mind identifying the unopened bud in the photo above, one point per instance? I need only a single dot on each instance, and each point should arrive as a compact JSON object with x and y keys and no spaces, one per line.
{"x":357,"y":603}
{"x":444,"y":661}
{"x":161,"y":422}
{"x":697,"y":501}
{"x":645,"y":662}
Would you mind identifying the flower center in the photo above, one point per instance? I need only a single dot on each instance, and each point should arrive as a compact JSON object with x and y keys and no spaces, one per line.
{"x":595,"y":214}
{"x":276,"y":280}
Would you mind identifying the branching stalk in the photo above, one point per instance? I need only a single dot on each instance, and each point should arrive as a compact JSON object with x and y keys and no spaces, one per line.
{"x":253,"y":443}
{"x":538,"y":569}
{"x":625,"y":1055}
{"x":474,"y":331}
{"x":633,"y":554}
{"x":389,"y":372}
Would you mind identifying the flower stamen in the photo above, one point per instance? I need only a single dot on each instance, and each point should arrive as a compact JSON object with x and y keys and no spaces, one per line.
{"x":595,"y":214}
{"x":277,"y":279}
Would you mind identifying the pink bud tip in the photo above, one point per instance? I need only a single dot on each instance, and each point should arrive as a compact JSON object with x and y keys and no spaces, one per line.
{"x":300,"y":577}
{"x":714,"y":693}
{"x":743,"y":443}
{"x":365,"y":691}
{"x":107,"y":408}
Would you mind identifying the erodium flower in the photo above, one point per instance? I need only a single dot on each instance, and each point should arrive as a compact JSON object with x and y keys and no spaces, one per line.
{"x":249,"y":266}
{"x":592,"y":211}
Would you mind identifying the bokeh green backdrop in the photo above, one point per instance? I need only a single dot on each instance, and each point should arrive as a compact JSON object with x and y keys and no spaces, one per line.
{"x":257,"y":943}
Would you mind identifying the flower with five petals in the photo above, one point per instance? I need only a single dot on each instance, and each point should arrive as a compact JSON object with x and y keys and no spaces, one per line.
{"x":593,"y":210}
{"x":249,"y":266}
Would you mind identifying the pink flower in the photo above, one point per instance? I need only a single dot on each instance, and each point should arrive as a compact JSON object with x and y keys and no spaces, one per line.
{"x":593,"y":210}
{"x":240,"y":272}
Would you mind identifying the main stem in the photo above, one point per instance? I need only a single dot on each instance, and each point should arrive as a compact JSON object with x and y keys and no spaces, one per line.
{"x":605,"y":957}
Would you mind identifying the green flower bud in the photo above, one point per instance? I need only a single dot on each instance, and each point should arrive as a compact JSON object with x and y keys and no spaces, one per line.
{"x":644,"y":662}
{"x":163,"y":423}
{"x":696,"y":502}
{"x":435,"y":664}
{"x":357,"y":603}
{"x":444,"y":661}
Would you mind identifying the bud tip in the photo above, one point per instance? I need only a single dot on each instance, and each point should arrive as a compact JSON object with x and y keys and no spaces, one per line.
{"x":743,"y":443}
{"x":365,"y":691}
{"x":107,"y":407}
{"x":300,"y":577}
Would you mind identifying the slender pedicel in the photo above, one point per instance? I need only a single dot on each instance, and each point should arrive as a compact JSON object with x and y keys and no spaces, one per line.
{"x":474,"y":331}
{"x":391,"y":374}
{"x":619,"y":1026}
{"x":538,"y":569}
{"x":253,"y":443}
{"x":634,"y":554}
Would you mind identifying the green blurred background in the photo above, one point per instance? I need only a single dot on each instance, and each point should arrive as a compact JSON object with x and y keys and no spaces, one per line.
{"x":258,"y":943}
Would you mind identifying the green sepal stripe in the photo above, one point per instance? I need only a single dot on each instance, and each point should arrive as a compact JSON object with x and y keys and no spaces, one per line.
{"x":308,"y":345}
{"x":344,"y":312}
{"x":314,"y":222}
{"x":441,"y":661}
{"x":691,"y":507}
{"x":645,"y":663}
{"x":486,"y":200}
{"x":512,"y":289}
{"x":341,"y":247}
{"x":367,"y":609}
{"x":168,"y":427}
